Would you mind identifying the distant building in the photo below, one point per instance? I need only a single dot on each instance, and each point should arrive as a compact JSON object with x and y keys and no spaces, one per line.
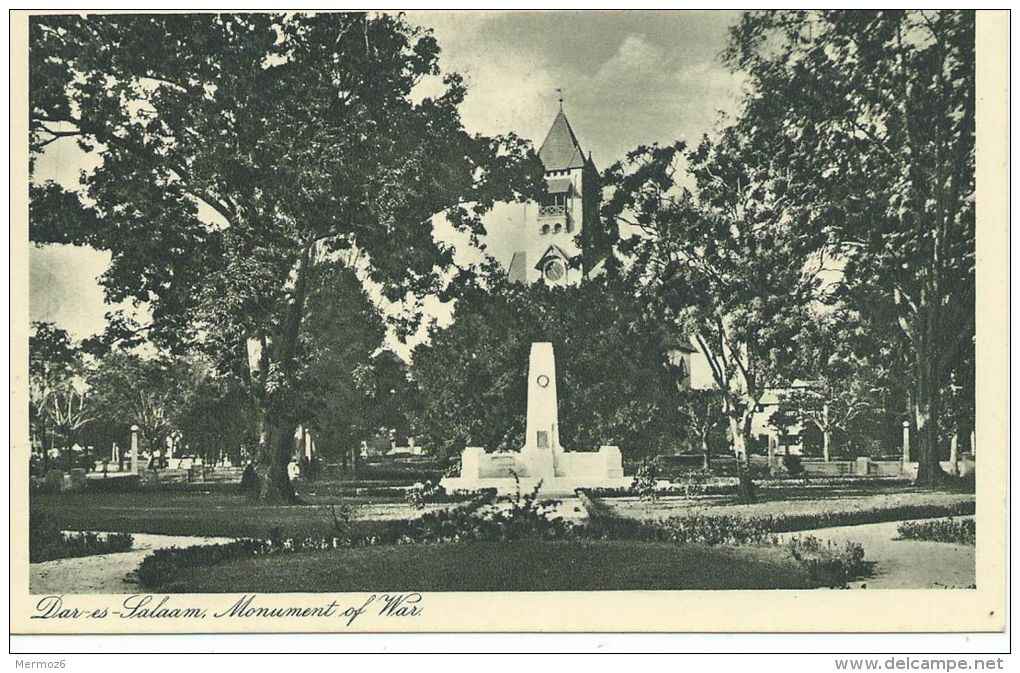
{"x":562,"y":241}
{"x":788,"y":439}
{"x":691,"y":366}
{"x":557,"y":239}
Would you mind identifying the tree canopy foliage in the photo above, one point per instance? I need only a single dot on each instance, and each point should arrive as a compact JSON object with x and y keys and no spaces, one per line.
{"x":240,"y":154}
{"x":869,"y":116}
{"x":713,"y":252}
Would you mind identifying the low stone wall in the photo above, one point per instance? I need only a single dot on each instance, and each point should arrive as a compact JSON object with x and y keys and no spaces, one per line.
{"x":833,"y":468}
{"x":605,"y":463}
{"x":865,"y":467}
{"x":500,"y":465}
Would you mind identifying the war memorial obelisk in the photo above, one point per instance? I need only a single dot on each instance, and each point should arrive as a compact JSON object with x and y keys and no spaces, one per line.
{"x":542,"y":459}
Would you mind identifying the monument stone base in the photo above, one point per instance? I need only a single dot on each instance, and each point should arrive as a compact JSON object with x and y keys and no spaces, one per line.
{"x":560,"y":472}
{"x":551,"y":487}
{"x":542,"y":460}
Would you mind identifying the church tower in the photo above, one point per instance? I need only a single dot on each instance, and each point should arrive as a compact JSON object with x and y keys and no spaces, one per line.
{"x":557,"y":242}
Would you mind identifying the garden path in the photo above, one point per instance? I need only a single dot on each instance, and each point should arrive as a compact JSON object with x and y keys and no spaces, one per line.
{"x":104,"y":573}
{"x":903,"y":564}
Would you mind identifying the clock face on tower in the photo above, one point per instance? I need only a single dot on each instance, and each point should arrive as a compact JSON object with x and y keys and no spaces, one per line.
{"x":554,"y":271}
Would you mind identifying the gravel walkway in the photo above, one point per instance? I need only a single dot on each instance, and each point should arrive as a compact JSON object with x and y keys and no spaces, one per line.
{"x":106,"y":573}
{"x":903,"y":564}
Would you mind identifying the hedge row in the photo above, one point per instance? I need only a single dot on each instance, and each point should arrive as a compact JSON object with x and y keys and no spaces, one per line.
{"x":528,"y":517}
{"x":715,"y":529}
{"x":46,"y":542}
{"x":943,"y":530}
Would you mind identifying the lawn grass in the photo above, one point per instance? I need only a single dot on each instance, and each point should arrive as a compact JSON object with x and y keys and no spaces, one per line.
{"x":520,"y":565}
{"x":210,"y":514}
{"x":778,"y":503}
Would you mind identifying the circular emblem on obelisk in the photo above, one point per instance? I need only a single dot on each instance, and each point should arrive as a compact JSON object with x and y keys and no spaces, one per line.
{"x":542,"y":380}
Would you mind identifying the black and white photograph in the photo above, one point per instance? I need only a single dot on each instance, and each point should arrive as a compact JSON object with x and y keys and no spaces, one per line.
{"x":408,"y":303}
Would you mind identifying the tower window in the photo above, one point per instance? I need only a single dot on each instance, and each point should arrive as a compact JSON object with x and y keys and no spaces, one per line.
{"x":559,"y":200}
{"x":545,"y":228}
{"x":557,"y":228}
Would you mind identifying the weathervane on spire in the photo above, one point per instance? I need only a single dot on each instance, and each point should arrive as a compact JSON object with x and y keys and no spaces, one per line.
{"x":559,"y":91}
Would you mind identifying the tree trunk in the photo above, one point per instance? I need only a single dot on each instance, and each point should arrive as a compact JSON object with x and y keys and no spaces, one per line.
{"x":706,"y":458}
{"x":742,"y":445}
{"x":271,"y":467}
{"x":45,"y":440}
{"x":826,"y":434}
{"x":926,"y":446}
{"x":352,"y":461}
{"x":737,"y":437}
{"x":740,"y":427}
{"x":275,"y":450}
{"x":926,"y":416}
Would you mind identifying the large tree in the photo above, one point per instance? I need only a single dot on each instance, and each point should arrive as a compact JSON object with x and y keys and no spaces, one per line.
{"x":128,"y":389}
{"x":843,"y":376}
{"x":240,"y":154}
{"x":215,"y":420}
{"x":58,"y":395}
{"x":870,"y":118}
{"x":711,"y":246}
{"x":350,"y":384}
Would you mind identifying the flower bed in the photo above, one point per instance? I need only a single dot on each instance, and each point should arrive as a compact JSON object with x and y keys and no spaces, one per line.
{"x":957,"y":531}
{"x":522,"y":517}
{"x":779,"y":523}
{"x":845,"y":507}
{"x":716,"y":486}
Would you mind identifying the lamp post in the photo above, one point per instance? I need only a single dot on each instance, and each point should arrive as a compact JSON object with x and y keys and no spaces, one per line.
{"x":134,"y":449}
{"x":906,"y":442}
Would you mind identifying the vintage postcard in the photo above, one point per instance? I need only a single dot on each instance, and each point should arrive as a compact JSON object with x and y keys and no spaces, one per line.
{"x":527,"y":321}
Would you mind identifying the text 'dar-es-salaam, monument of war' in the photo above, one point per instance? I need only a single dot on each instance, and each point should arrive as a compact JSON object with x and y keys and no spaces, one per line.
{"x":542,"y":459}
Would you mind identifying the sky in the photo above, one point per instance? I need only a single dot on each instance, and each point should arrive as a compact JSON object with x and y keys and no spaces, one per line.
{"x":627,"y":78}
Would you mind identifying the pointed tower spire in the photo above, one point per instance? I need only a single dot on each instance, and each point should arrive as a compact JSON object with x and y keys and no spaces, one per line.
{"x":561,"y":151}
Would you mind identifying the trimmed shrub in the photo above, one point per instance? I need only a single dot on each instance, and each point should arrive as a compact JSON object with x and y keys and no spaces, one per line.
{"x":828,"y":563}
{"x":527,"y":516}
{"x":678,"y":465}
{"x":735,"y":529}
{"x":46,"y":542}
{"x":157,"y":570}
{"x":694,"y":529}
{"x":123,"y":484}
{"x":645,"y":480}
{"x":942,"y":530}
{"x":793,"y":465}
{"x":420,"y":495}
{"x":404,"y":473}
